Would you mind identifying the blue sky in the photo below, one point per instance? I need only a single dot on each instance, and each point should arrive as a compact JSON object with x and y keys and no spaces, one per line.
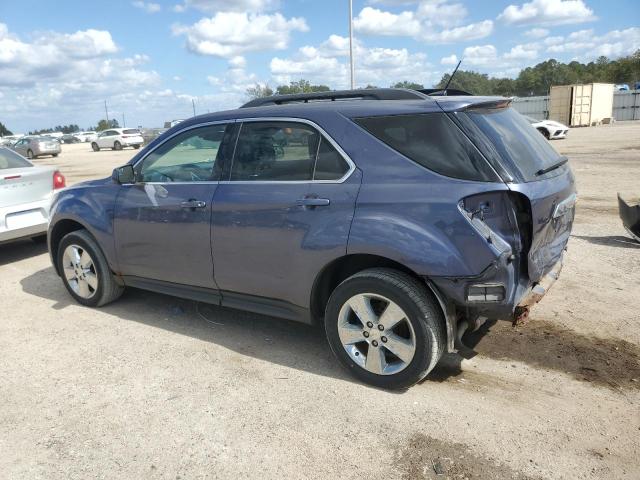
{"x":59,"y":61}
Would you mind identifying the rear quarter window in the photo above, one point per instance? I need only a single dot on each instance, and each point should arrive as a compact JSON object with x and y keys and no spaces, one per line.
{"x":433,"y":141}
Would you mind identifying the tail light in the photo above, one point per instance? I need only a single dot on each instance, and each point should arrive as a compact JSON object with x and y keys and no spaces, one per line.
{"x":58,"y":180}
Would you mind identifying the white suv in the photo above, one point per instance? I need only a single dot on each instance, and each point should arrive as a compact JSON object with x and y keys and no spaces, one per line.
{"x":117,"y":139}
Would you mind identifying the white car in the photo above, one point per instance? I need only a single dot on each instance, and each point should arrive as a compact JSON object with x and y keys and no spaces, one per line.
{"x":118,"y":138}
{"x":25,"y":196}
{"x":551,"y":129}
{"x":87,"y":136}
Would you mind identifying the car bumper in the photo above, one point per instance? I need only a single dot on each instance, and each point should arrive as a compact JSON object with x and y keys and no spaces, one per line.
{"x":539,"y":290}
{"x":132,"y":141}
{"x":557,"y":134}
{"x":47,"y":151}
{"x":26,"y":220}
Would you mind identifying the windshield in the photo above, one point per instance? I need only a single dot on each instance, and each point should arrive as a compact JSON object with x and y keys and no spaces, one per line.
{"x":10,"y":159}
{"x":131,"y":132}
{"x":506,"y":134}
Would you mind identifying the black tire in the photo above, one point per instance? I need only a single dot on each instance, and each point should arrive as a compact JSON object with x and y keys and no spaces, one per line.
{"x":54,"y":155}
{"x":108,"y":289}
{"x":422,"y":310}
{"x":95,"y":147}
{"x":136,"y":147}
{"x":117,"y":145}
{"x":30,"y":154}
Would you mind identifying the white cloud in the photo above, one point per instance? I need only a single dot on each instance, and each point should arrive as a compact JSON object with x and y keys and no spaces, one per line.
{"x":588,"y":46}
{"x":537,"y":33}
{"x":547,"y":12}
{"x":148,"y":7}
{"x":441,"y":13}
{"x":450,"y":60}
{"x":522,"y":52}
{"x":214,"y":6}
{"x":473,"y":31}
{"x":426,"y":24}
{"x":371,"y":21}
{"x":480,"y":55}
{"x":228,"y":34}
{"x":328,"y":64}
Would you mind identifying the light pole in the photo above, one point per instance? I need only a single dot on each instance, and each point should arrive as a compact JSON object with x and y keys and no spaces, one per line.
{"x":353,"y":81}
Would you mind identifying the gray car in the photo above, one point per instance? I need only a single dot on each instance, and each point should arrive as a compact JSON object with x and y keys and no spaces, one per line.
{"x":33,"y":147}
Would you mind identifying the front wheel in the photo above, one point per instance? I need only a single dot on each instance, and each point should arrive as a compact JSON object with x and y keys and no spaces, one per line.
{"x":85,"y":271}
{"x":385,"y":327}
{"x":30,"y":154}
{"x":95,"y":147}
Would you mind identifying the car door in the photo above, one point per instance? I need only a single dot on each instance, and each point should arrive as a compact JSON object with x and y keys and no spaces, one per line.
{"x":104,"y":139}
{"x":274,"y":227}
{"x":162,"y":221}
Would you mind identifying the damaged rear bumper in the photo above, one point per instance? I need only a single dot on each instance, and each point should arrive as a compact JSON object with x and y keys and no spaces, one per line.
{"x":539,"y":290}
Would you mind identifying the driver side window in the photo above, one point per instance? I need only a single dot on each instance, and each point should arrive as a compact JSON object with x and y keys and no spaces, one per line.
{"x":195,"y":155}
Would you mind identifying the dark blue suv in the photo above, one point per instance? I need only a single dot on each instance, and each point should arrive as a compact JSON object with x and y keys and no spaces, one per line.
{"x":395,"y":218}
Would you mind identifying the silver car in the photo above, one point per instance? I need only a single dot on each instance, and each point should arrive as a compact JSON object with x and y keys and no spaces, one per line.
{"x":25,"y":196}
{"x":33,"y":147}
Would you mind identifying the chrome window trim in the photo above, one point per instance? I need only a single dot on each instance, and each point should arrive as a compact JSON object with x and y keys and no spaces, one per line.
{"x":323,"y":133}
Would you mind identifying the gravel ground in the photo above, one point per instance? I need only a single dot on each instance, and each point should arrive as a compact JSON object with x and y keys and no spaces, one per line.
{"x":158,"y":387}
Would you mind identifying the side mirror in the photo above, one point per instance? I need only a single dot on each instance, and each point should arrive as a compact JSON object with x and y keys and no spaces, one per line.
{"x":124,"y":174}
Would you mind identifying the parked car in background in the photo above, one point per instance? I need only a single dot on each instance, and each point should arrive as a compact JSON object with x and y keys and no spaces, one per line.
{"x":9,"y":140}
{"x":118,"y":138}
{"x":150,"y":134}
{"x":34,"y":147}
{"x":395,"y":219}
{"x":70,"y":138}
{"x":89,"y":136}
{"x":551,"y":129}
{"x":25,"y":196}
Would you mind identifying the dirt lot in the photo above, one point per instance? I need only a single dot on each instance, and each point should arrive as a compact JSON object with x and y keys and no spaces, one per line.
{"x":157,"y":387}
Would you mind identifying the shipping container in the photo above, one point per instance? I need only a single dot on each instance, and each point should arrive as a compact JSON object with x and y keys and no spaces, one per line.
{"x":581,"y":105}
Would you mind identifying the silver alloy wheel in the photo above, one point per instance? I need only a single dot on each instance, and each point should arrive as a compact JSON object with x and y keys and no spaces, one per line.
{"x":376,"y":333}
{"x":79,"y":271}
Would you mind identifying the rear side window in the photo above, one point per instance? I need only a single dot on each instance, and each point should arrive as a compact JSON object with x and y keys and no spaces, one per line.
{"x":131,"y":131}
{"x":433,"y":141}
{"x":275,"y":151}
{"x":9,"y":159}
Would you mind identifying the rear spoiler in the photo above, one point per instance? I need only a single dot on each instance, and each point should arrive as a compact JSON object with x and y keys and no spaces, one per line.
{"x":490,"y":105}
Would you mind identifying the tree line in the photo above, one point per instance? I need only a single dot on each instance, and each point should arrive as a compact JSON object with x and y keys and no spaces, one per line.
{"x":535,"y":80}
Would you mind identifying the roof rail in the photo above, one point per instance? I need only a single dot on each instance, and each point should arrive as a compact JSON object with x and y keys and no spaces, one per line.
{"x":439,"y":92}
{"x":364,"y":94}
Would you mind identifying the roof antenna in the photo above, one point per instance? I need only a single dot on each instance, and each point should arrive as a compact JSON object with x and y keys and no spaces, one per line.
{"x":444,"y":91}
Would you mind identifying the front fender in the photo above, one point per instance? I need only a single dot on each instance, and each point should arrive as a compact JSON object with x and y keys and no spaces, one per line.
{"x":92,"y":207}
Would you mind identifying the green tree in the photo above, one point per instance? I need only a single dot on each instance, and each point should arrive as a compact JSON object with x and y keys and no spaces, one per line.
{"x":4,"y":131}
{"x":259,"y":91}
{"x":301,"y":86}
{"x":408,"y":85}
{"x":104,"y":124}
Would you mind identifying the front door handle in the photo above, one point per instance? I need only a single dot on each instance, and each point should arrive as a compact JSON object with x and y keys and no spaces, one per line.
{"x":193,"y":204}
{"x":313,"y":202}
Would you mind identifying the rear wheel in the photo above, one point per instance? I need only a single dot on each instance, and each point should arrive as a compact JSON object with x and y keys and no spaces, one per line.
{"x":95,"y":147}
{"x":136,"y":147}
{"x":117,"y":145}
{"x":54,"y":155}
{"x":385,"y":327}
{"x":85,"y":271}
{"x":30,"y":154}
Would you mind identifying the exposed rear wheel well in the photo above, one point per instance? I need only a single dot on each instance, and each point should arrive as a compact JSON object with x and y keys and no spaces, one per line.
{"x":59,"y":230}
{"x":341,"y":269}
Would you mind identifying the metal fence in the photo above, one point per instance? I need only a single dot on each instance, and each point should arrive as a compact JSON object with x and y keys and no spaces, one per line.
{"x":626,"y":106}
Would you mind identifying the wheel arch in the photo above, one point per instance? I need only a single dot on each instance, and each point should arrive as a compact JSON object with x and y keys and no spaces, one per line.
{"x":343,"y":267}
{"x":56,"y":234}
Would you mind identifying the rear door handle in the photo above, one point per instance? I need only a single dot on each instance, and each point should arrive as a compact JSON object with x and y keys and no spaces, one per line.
{"x":193,"y":204}
{"x":313,"y":202}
